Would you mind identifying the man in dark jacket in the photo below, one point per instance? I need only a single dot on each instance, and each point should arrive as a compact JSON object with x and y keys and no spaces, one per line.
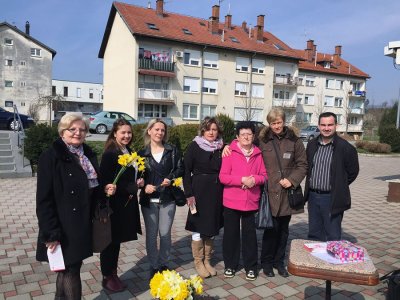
{"x":332,"y":167}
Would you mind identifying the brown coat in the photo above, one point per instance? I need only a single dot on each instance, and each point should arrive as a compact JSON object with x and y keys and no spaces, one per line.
{"x":294,"y":163}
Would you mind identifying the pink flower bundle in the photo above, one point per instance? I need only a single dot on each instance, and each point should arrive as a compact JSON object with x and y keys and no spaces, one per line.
{"x":345,"y":251}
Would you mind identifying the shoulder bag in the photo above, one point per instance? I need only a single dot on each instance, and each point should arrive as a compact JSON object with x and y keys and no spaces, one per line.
{"x":393,"y":281}
{"x":101,"y":235}
{"x":263,"y":216}
{"x":295,"y":195}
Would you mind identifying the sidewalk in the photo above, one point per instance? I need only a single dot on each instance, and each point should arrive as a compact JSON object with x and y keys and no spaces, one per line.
{"x":372,"y":222}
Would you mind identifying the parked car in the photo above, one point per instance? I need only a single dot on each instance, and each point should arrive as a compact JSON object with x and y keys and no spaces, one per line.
{"x":7,"y":120}
{"x":309,"y":133}
{"x":102,"y":121}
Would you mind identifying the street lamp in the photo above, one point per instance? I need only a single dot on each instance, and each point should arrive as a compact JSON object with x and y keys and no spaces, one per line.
{"x":393,"y":50}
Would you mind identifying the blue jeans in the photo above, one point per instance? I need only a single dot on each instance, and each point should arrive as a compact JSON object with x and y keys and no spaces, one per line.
{"x":158,"y":220}
{"x":322,"y":225}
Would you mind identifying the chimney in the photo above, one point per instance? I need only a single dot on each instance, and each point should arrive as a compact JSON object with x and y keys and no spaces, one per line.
{"x":314,"y":52}
{"x":310,"y":50}
{"x":337,"y":55}
{"x":27,"y":28}
{"x":244,"y":26}
{"x":228,"y":21}
{"x":260,"y":28}
{"x":214,"y":20}
{"x":160,"y":8}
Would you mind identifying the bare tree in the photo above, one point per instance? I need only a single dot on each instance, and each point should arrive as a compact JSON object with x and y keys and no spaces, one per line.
{"x":249,"y":107}
{"x":50,"y":102}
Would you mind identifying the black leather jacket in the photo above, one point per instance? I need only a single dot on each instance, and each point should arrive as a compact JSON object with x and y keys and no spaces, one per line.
{"x":170,"y":166}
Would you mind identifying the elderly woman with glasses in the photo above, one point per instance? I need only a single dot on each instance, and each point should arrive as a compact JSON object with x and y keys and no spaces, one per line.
{"x":242,"y":173}
{"x":67,"y":183}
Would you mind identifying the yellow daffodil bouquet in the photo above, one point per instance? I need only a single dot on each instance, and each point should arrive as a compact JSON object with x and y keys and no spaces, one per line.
{"x":177,"y":182}
{"x":170,"y":285}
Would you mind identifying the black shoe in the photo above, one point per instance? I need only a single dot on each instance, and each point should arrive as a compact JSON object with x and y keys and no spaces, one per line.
{"x":282,"y":271}
{"x":269,"y":272}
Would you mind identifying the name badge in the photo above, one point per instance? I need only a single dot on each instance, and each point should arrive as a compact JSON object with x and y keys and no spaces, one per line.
{"x":286,"y":155}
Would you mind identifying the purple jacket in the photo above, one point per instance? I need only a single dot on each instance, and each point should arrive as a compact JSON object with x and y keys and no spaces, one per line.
{"x":234,"y":167}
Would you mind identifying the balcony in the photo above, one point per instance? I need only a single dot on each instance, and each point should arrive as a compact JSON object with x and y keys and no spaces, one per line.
{"x":289,"y":80}
{"x":356,"y":111}
{"x":354,"y":128}
{"x":287,"y":103}
{"x":357,"y":93}
{"x":148,"y":64}
{"x":156,"y":96}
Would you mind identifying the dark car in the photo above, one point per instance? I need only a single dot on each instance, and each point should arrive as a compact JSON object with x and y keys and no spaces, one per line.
{"x":7,"y":120}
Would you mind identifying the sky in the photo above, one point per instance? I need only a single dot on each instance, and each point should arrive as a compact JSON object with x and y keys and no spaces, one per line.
{"x":75,"y":28}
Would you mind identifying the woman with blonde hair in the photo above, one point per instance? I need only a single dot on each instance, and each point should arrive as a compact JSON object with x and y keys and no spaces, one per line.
{"x":163,"y":163}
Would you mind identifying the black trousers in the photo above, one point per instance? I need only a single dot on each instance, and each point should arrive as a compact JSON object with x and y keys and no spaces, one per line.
{"x":274,"y":242}
{"x":232,"y":242}
{"x":109,"y":259}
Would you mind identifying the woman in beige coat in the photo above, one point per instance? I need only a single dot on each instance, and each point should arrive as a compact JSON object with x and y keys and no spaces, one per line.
{"x":293,"y":159}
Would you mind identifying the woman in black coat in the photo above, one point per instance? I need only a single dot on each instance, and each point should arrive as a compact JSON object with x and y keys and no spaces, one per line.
{"x":163,"y":164}
{"x":67,"y":182}
{"x":204,"y":191}
{"x":125,"y":219}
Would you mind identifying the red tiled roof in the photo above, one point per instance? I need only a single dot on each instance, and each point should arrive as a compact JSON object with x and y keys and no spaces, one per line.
{"x":170,"y":28}
{"x":344,"y":68}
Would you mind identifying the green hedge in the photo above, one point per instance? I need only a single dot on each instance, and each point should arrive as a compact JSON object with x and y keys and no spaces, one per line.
{"x":38,"y":138}
{"x":391,"y":136}
{"x":182,"y":135}
{"x":228,"y":127}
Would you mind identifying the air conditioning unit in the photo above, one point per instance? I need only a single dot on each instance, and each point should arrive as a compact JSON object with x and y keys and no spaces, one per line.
{"x":179,"y":54}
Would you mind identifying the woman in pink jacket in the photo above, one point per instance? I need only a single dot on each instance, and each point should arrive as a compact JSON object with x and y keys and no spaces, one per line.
{"x":241,"y":173}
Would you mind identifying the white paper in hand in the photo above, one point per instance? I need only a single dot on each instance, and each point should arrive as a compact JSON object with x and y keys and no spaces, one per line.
{"x":56,"y":259}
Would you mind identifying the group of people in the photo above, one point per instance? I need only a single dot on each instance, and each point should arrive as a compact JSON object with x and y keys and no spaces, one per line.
{"x":221,"y":184}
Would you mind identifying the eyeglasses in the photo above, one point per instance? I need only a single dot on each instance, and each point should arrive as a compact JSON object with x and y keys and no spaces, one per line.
{"x":75,"y":130}
{"x":246,"y":135}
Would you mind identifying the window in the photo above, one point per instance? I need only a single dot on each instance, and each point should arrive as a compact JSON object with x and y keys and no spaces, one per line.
{"x":307,"y":117}
{"x":330,"y":83}
{"x":8,"y":62}
{"x":241,"y":88}
{"x":310,"y":81}
{"x":36,"y":52}
{"x":152,"y":26}
{"x":258,"y":66}
{"x":22,"y":83}
{"x":257,"y":90}
{"x":208,"y":110}
{"x":191,"y":84}
{"x":8,"y":83}
{"x":279,"y":47}
{"x":354,"y":120}
{"x":22,"y":103}
{"x":202,"y":24}
{"x":339,"y":119}
{"x":339,"y":84}
{"x":190,"y":111}
{"x":355,"y":86}
{"x":210,"y":86}
{"x":78,"y":92}
{"x":65,"y":91}
{"x":242,"y":64}
{"x":186,"y":31}
{"x":327,"y":64}
{"x":281,"y":95}
{"x":152,"y":110}
{"x":90,"y":93}
{"x":338,"y":102}
{"x":329,"y":101}
{"x":309,"y":99}
{"x":192,"y":58}
{"x":53,"y":90}
{"x":210,"y":60}
{"x":300,"y":98}
{"x":22,"y":63}
{"x":233,"y":39}
{"x":8,"y":42}
{"x":9,"y":103}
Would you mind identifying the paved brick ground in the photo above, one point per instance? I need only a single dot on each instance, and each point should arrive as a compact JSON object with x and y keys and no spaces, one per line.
{"x":372,"y":222}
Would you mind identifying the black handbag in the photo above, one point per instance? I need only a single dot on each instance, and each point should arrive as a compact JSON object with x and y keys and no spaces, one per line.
{"x":294,"y":195}
{"x":393,"y":281}
{"x":296,"y":198}
{"x":263,"y":217}
{"x":178,"y":195}
{"x":101,"y":226}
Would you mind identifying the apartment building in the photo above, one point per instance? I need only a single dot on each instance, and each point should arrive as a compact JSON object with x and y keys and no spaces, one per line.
{"x":77,"y":96}
{"x":163,"y":64}
{"x":329,"y":83}
{"x":25,"y":68}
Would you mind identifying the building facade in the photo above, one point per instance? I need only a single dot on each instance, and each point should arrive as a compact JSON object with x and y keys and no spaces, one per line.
{"x":161,"y":64}
{"x":25,"y":68}
{"x":77,"y":96}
